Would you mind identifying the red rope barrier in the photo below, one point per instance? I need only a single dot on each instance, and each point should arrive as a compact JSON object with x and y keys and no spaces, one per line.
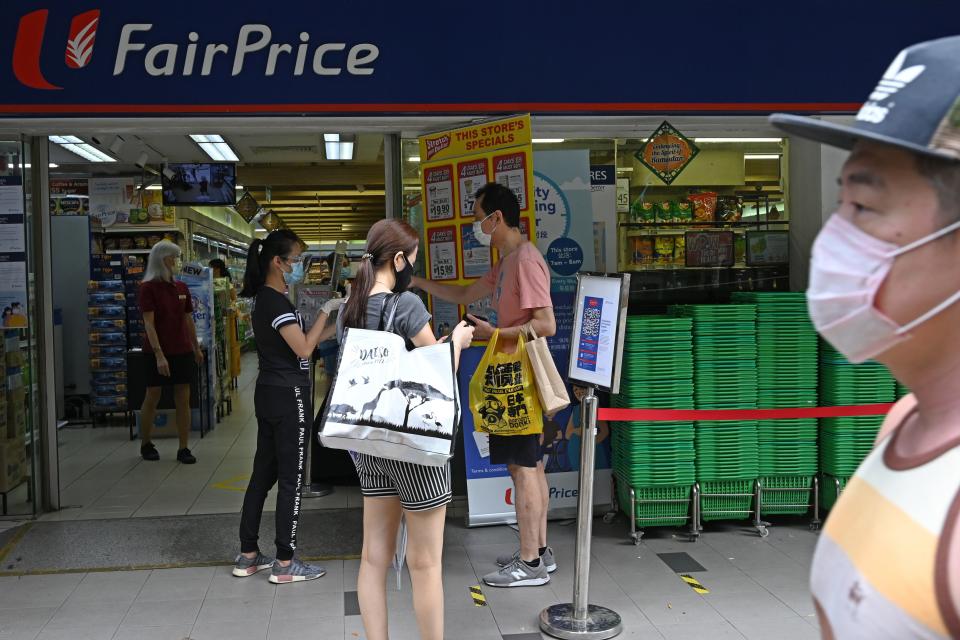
{"x":684,"y":415}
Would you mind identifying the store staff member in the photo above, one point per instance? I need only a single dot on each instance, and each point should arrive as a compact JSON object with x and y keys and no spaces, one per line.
{"x":167,"y":311}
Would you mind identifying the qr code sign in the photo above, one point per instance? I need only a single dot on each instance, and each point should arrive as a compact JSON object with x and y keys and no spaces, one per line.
{"x":591,"y":321}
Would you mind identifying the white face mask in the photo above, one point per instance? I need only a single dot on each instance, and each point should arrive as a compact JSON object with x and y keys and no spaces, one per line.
{"x":481,"y":236}
{"x":847,"y":270}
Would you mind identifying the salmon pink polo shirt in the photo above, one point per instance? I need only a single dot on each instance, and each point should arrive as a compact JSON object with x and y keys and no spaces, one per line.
{"x":521,"y":283}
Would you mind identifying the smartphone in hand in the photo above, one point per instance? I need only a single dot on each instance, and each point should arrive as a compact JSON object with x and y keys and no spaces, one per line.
{"x":471,"y":322}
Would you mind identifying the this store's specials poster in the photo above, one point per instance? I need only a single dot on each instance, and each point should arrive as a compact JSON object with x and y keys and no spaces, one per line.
{"x":13,"y":257}
{"x":455,"y":164}
{"x":563,"y":206}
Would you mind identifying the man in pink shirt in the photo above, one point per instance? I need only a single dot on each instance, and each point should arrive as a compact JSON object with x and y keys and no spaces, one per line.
{"x":519,"y":286}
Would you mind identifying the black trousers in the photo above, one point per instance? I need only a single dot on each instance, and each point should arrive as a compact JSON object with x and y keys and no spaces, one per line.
{"x":283,"y":418}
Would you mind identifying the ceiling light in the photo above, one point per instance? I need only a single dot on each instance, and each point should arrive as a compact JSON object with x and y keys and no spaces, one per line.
{"x":216,"y":147}
{"x":28,"y":165}
{"x":409,"y":188}
{"x":77,"y":146}
{"x":761,"y":156}
{"x":738,"y":139}
{"x":414,"y":158}
{"x":337,"y":147}
{"x":547,"y":140}
{"x":624,"y":169}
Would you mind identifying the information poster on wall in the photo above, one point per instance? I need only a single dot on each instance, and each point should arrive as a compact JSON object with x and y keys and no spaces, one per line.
{"x":13,"y":257}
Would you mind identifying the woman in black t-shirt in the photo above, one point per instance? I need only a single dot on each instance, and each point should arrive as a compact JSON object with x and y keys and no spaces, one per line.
{"x":282,"y":404}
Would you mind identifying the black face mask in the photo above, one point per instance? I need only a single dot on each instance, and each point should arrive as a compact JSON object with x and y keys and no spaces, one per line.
{"x":404,"y":276}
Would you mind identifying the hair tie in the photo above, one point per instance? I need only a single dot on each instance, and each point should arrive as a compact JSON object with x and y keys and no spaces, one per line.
{"x":367,"y":256}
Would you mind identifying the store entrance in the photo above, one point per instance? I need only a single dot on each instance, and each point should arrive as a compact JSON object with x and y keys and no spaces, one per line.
{"x":114,"y":197}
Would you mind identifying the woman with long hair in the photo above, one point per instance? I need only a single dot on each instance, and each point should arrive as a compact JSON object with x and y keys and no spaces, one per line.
{"x":282,"y":404}
{"x":391,"y":488}
{"x":167,"y":309}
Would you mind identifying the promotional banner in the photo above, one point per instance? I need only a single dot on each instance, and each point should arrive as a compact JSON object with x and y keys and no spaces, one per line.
{"x":13,"y":257}
{"x":563,"y":231}
{"x":454,"y":165}
{"x":199,"y":280}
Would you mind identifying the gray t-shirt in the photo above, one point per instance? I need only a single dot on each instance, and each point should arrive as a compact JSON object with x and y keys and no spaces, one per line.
{"x":411,"y":316}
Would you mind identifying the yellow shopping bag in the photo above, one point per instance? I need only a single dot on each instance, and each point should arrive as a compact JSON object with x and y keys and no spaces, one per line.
{"x":503,"y":394}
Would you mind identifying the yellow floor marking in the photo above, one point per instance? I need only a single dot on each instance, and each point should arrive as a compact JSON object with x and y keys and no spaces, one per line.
{"x":694,"y":584}
{"x":479,"y":600}
{"x":236,"y":483}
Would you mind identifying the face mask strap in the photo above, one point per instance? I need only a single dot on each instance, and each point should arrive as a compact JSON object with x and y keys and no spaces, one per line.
{"x":950,"y":228}
{"x":930,"y":314}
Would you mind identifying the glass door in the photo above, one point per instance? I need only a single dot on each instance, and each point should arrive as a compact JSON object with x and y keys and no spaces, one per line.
{"x":20,"y":441}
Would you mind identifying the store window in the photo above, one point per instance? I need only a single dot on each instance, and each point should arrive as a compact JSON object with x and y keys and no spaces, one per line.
{"x":722,"y":225}
{"x":19,"y":421}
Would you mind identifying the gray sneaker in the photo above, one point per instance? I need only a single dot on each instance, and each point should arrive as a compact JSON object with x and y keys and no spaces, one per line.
{"x":296,"y":571}
{"x":244,"y":566}
{"x":518,"y":574}
{"x":547,"y":559}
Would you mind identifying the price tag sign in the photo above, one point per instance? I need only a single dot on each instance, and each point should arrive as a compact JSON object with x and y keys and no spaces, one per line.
{"x":511,"y":171}
{"x":599,"y":321}
{"x":442,"y":244}
{"x":439,"y":196}
{"x":473,"y":175}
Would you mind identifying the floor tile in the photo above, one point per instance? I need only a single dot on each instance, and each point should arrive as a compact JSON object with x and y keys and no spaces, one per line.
{"x":174,"y":632}
{"x":227,"y":611}
{"x":251,"y":629}
{"x":162,"y":613}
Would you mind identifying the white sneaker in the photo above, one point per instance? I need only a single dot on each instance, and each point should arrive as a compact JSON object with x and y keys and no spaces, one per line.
{"x":518,"y":574}
{"x":547,"y":559}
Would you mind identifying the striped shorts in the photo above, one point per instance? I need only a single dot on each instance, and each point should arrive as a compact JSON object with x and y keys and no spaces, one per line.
{"x":419,"y":487}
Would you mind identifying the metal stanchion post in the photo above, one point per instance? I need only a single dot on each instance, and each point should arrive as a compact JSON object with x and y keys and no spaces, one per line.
{"x":579,"y":619}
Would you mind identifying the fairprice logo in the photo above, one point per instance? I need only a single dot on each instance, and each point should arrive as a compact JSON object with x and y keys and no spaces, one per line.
{"x":29,"y":43}
{"x":253,"y":48}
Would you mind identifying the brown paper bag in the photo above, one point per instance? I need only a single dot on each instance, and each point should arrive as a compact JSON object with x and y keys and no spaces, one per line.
{"x":550,"y":387}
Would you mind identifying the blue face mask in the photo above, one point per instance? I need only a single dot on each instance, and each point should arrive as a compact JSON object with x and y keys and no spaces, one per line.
{"x":345,"y":273}
{"x":295,"y":276}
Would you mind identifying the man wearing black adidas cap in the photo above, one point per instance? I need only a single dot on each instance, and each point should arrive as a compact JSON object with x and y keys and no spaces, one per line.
{"x":884,"y":285}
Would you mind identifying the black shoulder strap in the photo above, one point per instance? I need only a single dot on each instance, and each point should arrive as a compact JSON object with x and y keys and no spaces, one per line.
{"x":389,"y":309}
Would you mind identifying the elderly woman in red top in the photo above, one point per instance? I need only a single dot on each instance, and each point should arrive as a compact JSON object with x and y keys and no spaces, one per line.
{"x":172,"y":340}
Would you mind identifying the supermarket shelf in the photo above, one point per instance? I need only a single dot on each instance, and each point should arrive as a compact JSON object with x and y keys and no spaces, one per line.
{"x":128,"y":251}
{"x":139,"y":229}
{"x":682,"y":268}
{"x":707,"y":226}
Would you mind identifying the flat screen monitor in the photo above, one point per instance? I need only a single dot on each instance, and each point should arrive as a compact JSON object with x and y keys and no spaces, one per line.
{"x":200,"y":183}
